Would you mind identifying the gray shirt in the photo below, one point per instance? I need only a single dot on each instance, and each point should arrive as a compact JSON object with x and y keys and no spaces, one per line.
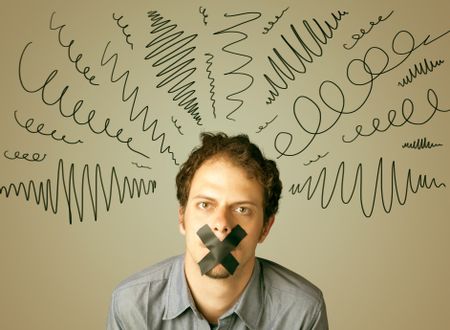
{"x":274,"y":298}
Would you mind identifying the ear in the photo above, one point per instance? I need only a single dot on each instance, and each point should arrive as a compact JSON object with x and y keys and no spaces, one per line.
{"x":266,"y":229}
{"x":181,"y":227}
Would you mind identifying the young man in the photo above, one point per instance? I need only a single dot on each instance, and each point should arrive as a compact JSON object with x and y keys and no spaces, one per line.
{"x":228,"y":194}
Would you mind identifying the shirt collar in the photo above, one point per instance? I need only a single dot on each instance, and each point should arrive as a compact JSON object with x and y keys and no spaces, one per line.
{"x":178,"y":297}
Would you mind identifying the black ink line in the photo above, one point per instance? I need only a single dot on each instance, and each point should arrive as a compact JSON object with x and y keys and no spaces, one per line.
{"x":178,"y":127}
{"x":84,"y":193}
{"x":260,"y":128}
{"x":123,"y":28}
{"x":211,"y":79}
{"x":421,"y":144}
{"x":406,"y":112}
{"x":272,"y":23}
{"x":76,"y":107}
{"x":309,"y":56}
{"x":202,"y":11}
{"x":35,"y":157}
{"x":141,"y":166}
{"x":363,"y":32}
{"x":283,"y":142}
{"x":83,"y":71}
{"x":226,"y":49}
{"x":169,"y":49}
{"x":134,"y":95}
{"x":39,"y":128}
{"x":339,"y":186}
{"x":318,"y":157}
{"x":423,"y":69}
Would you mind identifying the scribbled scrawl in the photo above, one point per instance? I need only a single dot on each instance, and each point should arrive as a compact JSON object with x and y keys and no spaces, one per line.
{"x":241,"y":36}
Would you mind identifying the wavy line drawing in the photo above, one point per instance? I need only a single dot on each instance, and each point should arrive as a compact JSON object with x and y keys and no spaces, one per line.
{"x":272,"y":23}
{"x":35,"y":157}
{"x":241,"y":37}
{"x":211,"y":79}
{"x":134,"y":95}
{"x":421,"y":143}
{"x":178,"y":127}
{"x":261,"y":127}
{"x":424,"y":68}
{"x":318,"y":157}
{"x":39,"y":128}
{"x":202,"y":11}
{"x":308,"y":53}
{"x":87,"y":190}
{"x":169,"y":49}
{"x":141,"y":166}
{"x":339,"y":186}
{"x":124,"y":29}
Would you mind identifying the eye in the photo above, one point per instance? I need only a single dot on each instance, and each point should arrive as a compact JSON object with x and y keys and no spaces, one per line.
{"x":203,"y":205}
{"x":242,"y":210}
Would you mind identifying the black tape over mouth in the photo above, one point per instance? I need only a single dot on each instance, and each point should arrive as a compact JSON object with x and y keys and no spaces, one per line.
{"x":220,"y":251}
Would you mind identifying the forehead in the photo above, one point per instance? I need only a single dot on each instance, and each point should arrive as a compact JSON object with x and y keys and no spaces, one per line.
{"x":223,"y":177}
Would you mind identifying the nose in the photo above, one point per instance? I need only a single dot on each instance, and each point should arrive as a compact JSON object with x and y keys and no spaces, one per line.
{"x":222,"y":223}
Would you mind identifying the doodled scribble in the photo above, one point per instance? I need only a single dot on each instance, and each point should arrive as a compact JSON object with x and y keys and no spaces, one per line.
{"x":212,"y":84}
{"x":75,"y":112}
{"x":407,"y":112}
{"x":141,"y":166}
{"x":115,"y":78}
{"x":424,"y":68}
{"x":361,"y":73}
{"x":260,"y":128}
{"x":170,"y":49}
{"x":178,"y":127}
{"x":38,"y":130}
{"x":35,"y":157}
{"x":307,"y":53}
{"x":248,"y":17}
{"x":272,"y":23}
{"x":75,"y":60}
{"x":88,"y":192}
{"x":362,"y":32}
{"x":202,"y":11}
{"x":339,"y":186}
{"x":124,"y":29}
{"x":315,"y":160}
{"x":421,"y":143}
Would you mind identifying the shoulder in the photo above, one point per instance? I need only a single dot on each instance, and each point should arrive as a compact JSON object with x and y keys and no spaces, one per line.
{"x":281,"y":282}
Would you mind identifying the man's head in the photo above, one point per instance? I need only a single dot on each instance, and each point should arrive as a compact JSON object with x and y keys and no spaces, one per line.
{"x":240,"y":152}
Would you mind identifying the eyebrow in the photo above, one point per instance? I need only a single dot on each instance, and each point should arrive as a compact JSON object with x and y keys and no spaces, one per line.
{"x":206,"y":197}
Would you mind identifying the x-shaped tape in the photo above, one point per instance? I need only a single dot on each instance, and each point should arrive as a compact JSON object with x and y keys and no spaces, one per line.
{"x":220,"y":251}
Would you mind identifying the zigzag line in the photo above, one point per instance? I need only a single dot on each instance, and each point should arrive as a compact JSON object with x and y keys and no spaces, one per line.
{"x":171,"y":52}
{"x":212,"y":93}
{"x":236,"y":71}
{"x":43,"y":192}
{"x":421,"y":144}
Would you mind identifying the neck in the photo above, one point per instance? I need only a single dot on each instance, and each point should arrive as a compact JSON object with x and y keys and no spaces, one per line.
{"x":213,"y":297}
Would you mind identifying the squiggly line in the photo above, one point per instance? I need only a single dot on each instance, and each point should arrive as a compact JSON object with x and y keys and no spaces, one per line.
{"x":271,"y":24}
{"x":421,"y":144}
{"x":358,"y":187}
{"x":170,"y":50}
{"x":178,"y":127}
{"x":35,"y":157}
{"x":133,"y":96}
{"x":260,"y":128}
{"x":419,"y":70}
{"x":289,"y":69}
{"x":79,"y":194}
{"x":202,"y":11}
{"x":123,"y":28}
{"x":212,"y":93}
{"x":226,"y":49}
{"x":141,"y":166}
{"x":39,"y":129}
{"x":318,"y":157}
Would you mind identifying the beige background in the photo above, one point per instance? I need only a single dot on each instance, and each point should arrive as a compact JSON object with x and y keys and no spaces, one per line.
{"x":386,"y":271}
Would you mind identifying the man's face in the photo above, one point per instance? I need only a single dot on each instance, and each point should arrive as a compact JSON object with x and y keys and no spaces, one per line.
{"x":222,"y":196}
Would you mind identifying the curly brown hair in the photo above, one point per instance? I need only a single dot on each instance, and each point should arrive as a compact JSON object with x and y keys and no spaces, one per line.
{"x":243,"y":153}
